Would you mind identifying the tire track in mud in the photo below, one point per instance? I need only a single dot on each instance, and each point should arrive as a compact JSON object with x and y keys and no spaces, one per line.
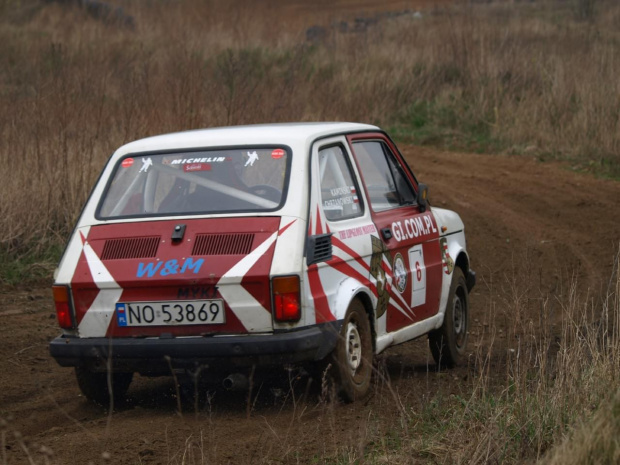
{"x":524,"y":220}
{"x":569,"y":219}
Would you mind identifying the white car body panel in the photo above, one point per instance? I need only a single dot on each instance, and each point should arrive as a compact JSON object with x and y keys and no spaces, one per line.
{"x":393,"y":267}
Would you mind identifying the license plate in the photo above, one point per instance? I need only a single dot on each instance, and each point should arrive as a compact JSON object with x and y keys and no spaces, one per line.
{"x":187,"y":312}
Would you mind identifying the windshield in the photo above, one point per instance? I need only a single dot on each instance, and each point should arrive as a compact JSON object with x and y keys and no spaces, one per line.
{"x":208,"y":181}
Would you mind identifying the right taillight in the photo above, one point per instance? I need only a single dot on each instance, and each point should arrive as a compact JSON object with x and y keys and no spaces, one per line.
{"x":63,"y":306}
{"x":286,"y":300}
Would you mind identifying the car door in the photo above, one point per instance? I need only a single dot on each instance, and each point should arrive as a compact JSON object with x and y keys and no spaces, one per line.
{"x":406,"y":264}
{"x":339,"y":248}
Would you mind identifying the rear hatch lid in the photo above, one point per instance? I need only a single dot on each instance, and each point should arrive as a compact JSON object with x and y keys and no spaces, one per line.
{"x":176,"y":277}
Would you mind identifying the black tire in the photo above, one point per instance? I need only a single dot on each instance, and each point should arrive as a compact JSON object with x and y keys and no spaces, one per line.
{"x":94,"y":385}
{"x":352,"y":358}
{"x":449,"y":342}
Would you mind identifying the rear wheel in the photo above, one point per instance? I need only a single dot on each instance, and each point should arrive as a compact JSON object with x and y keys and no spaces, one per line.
{"x":449,"y":342}
{"x":94,"y":385}
{"x":352,"y":358}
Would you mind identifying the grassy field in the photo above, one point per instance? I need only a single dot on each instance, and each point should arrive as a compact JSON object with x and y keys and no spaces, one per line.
{"x":537,"y":79}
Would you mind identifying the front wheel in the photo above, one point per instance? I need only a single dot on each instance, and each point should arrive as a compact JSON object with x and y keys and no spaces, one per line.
{"x":353,"y":357}
{"x":448,"y":343}
{"x":94,"y":385}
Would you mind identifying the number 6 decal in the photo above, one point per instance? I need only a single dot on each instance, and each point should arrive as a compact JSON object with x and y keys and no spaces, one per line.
{"x":418,"y":272}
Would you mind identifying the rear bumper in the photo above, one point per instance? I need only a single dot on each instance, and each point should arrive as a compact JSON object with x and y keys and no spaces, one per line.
{"x":150,"y":355}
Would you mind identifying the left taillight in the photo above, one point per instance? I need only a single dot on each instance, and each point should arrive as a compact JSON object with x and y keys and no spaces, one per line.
{"x":62,"y":301}
{"x":286,"y":299}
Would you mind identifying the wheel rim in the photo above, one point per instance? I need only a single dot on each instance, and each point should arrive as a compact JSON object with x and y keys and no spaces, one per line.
{"x":459,"y":316}
{"x":354,"y":347}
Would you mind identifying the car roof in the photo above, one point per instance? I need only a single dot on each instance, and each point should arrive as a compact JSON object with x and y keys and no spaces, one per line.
{"x":256,"y":134}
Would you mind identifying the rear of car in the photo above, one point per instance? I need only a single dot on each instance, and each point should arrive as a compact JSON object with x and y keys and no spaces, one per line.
{"x":171,"y":264}
{"x":258,"y":245}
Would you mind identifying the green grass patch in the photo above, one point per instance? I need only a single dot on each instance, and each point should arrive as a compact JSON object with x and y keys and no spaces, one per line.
{"x":452,"y":125}
{"x":35,"y":266}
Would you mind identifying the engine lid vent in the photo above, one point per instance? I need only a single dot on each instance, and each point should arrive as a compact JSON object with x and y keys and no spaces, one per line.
{"x":319,"y":248}
{"x":223,"y":244}
{"x":130,"y":247}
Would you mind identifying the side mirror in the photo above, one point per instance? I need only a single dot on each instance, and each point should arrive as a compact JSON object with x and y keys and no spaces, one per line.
{"x":422,"y":197}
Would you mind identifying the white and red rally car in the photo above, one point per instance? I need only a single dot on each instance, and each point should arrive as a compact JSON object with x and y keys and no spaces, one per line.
{"x":258,"y":245}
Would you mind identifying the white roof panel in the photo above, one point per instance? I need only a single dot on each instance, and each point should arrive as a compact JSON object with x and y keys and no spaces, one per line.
{"x":284,"y":133}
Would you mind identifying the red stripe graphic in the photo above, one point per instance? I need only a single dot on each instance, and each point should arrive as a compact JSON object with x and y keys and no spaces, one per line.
{"x":345,"y":248}
{"x":343,"y":267}
{"x":321,"y":306}
{"x":281,"y":231}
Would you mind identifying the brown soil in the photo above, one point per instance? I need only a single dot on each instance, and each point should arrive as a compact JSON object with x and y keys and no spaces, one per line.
{"x":562,"y":224}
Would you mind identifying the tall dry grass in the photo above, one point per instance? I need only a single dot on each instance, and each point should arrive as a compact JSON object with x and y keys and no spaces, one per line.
{"x":542,"y":386}
{"x":513,"y":77}
{"x":562,"y":364}
{"x":594,"y":442}
{"x":545,"y":391}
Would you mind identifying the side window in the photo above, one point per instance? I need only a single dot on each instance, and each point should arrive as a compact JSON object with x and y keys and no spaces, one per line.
{"x":387,"y":185}
{"x":339,"y":198}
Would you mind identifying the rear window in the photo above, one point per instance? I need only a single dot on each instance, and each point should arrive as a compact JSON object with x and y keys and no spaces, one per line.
{"x":198,"y":182}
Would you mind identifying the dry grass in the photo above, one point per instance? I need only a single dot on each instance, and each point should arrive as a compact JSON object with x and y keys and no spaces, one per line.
{"x":510,"y":77}
{"x":595,"y":441}
{"x":545,"y":390}
{"x":556,"y":375}
{"x":519,"y":78}
{"x":555,"y":400}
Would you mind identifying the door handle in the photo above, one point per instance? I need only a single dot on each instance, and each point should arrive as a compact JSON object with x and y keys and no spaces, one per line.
{"x":387,"y":233}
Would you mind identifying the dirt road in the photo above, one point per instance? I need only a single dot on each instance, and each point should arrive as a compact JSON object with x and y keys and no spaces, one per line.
{"x":527,"y":222}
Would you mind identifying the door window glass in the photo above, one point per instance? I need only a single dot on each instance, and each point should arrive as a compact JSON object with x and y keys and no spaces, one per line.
{"x":387,"y":185}
{"x":338,"y":189}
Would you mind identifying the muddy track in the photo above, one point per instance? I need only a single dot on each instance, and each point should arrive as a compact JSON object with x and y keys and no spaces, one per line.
{"x":527,"y":222}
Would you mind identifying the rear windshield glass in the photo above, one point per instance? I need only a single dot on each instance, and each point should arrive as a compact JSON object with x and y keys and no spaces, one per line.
{"x":213,"y":181}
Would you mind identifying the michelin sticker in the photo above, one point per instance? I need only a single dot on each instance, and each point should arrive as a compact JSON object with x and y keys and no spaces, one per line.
{"x":185,"y":161}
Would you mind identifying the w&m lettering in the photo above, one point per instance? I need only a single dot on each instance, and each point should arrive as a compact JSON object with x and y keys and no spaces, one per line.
{"x":169,"y":267}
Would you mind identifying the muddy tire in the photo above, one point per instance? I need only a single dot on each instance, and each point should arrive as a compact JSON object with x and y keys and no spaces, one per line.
{"x":94,"y":385}
{"x":449,"y":342}
{"x":351,"y":361}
